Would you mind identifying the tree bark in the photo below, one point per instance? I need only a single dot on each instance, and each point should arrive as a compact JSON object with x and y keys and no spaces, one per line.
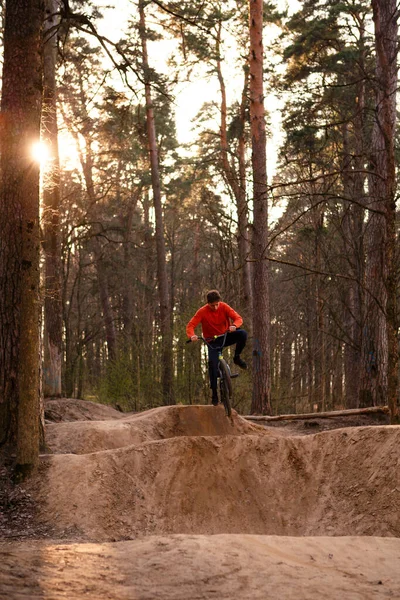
{"x":106,"y":307}
{"x":19,"y":236}
{"x":353,"y":248}
{"x":381,"y":348}
{"x":127,"y":303}
{"x":242,"y":208}
{"x":162,"y":278}
{"x":322,"y":415}
{"x":51,"y":211}
{"x":236,"y":179}
{"x":102,"y":279}
{"x":319,"y":350}
{"x":358,"y":216}
{"x":261,"y":311}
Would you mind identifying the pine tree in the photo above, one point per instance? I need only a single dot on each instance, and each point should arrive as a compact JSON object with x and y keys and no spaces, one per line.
{"x":19,"y":236}
{"x":261,"y":402}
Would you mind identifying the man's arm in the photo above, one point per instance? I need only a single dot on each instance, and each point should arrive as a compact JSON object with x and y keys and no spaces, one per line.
{"x":194,"y":321}
{"x":236,"y":318}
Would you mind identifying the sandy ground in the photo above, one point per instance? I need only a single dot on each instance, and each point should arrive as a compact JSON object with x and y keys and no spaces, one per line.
{"x":196,"y":567}
{"x":182,"y":502}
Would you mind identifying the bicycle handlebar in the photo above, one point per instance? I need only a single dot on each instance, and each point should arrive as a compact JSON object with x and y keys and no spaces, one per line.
{"x":208,"y":340}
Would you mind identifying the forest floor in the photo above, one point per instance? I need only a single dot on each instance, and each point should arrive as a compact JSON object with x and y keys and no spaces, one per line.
{"x":183,"y":503}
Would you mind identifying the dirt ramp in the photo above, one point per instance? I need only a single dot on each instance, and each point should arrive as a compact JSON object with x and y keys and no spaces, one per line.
{"x":342,"y":482}
{"x":71,"y":409}
{"x":84,"y":437}
{"x":206,"y":420}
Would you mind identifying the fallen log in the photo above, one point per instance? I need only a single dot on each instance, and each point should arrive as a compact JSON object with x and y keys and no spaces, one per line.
{"x":322,"y":415}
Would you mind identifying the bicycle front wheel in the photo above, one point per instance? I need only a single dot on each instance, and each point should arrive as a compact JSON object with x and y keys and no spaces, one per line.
{"x":225,"y":386}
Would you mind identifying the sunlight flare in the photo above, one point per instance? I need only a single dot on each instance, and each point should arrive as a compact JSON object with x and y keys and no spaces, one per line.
{"x":40,"y":152}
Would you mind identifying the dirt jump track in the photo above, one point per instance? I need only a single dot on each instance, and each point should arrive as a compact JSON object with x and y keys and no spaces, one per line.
{"x":182,"y":502}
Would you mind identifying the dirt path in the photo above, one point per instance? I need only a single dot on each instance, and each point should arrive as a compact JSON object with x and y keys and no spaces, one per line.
{"x":204,"y":567}
{"x":181,"y":502}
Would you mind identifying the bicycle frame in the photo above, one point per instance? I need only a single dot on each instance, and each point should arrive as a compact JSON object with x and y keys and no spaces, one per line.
{"x":224,"y":373}
{"x":208,"y":340}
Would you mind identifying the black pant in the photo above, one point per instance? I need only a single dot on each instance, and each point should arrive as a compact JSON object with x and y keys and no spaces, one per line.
{"x":237,"y":337}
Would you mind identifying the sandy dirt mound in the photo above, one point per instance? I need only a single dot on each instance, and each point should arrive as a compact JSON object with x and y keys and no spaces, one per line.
{"x":69,"y":409}
{"x":192,"y":470}
{"x":156,"y":424}
{"x":197,"y":567}
{"x":312,"y":426}
{"x":186,"y":503}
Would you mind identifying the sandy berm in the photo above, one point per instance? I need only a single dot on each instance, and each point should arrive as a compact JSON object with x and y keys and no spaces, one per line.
{"x":181,"y":502}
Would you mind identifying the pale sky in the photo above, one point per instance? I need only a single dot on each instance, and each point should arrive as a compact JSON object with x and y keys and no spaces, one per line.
{"x":190,"y":96}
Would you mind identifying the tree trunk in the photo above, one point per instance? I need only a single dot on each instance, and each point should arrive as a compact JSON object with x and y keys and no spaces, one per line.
{"x":381,"y":410}
{"x":51,"y":212}
{"x":297,"y":370}
{"x":162,"y":278}
{"x":319,"y":349}
{"x":353,"y":248}
{"x":286,"y":379}
{"x":336,"y":396}
{"x":261,"y":320}
{"x":352,"y":313}
{"x":310,"y":341}
{"x":108,"y":315}
{"x":127,"y":303}
{"x":385,"y":14}
{"x":381,"y":347}
{"x":19,"y":235}
{"x":242,"y":209}
{"x":102,"y":279}
{"x":358,"y":218}
{"x":236,"y":180}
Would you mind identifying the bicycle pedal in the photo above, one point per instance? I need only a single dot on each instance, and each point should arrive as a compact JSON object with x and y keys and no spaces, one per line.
{"x":233,"y":375}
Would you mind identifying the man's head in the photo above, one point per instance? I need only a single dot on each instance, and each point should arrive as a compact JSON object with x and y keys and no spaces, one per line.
{"x":213,"y":299}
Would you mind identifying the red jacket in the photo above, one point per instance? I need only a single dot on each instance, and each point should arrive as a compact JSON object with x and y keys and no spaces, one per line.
{"x":214,"y":322}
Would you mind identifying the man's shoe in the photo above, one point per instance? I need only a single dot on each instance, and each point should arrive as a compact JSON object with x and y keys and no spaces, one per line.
{"x":240,"y":362}
{"x":214,"y":400}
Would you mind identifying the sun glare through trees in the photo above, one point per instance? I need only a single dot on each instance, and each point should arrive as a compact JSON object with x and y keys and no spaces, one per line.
{"x":40,"y":153}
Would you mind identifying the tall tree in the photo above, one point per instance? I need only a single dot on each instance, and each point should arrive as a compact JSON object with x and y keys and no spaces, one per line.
{"x":52,"y":338}
{"x":208,"y":32}
{"x":84,"y":130}
{"x":381,"y":281}
{"x":261,"y":310}
{"x":19,"y":237}
{"x":330,"y":73}
{"x":162,"y":277}
{"x":236,"y":176}
{"x":354,"y":155}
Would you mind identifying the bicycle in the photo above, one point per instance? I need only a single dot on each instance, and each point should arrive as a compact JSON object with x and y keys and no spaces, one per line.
{"x":224,"y":373}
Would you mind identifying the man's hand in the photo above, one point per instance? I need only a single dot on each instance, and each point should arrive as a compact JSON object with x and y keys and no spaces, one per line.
{"x":194,"y":338}
{"x":232,"y":328}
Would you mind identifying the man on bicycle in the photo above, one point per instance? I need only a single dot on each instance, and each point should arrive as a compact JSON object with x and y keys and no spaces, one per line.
{"x":217,"y":317}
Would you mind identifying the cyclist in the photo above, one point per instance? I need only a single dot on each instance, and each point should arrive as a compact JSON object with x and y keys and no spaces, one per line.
{"x":217,"y":317}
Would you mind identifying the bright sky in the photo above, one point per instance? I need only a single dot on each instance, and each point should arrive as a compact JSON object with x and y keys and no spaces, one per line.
{"x":190,"y":96}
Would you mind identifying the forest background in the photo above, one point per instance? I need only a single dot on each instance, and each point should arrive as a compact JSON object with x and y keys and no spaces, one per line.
{"x":136,"y":225}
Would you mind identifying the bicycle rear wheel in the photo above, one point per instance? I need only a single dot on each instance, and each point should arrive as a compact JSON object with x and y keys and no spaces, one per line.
{"x":225,"y":386}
